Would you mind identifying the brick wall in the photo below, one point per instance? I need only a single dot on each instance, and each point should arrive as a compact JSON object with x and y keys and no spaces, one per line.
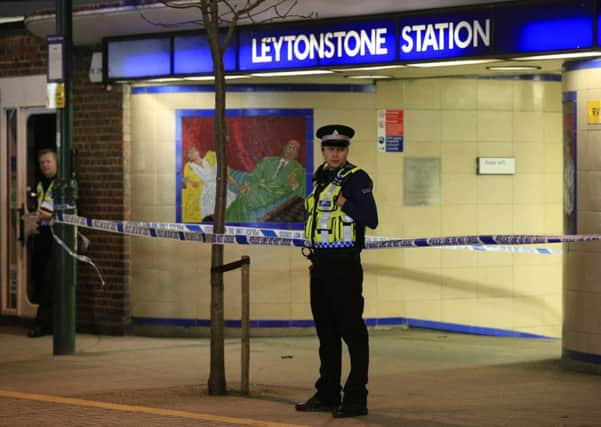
{"x":101,"y":166}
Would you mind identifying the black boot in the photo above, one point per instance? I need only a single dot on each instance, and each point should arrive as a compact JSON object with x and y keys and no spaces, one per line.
{"x":316,"y":404}
{"x":350,"y":410}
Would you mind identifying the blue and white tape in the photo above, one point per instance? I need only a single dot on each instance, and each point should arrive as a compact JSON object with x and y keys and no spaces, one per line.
{"x":282,"y":237}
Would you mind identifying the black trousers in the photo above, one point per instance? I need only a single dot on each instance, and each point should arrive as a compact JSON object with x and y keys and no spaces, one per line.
{"x":337,"y":307}
{"x":43,"y":280}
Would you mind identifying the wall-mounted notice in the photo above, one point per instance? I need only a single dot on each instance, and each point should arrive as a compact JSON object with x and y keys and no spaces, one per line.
{"x":390,"y":131}
{"x":594,"y":110}
{"x":421,"y":181}
{"x":496,"y":166}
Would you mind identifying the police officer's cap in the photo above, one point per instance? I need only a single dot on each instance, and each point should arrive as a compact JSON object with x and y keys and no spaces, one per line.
{"x":335,"y":135}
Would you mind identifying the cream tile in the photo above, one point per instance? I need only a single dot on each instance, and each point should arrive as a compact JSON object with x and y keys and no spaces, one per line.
{"x":528,"y":95}
{"x":553,"y":188}
{"x":269,"y":287}
{"x":389,"y":94}
{"x":459,"y":157}
{"x":269,"y":311}
{"x":420,"y":258}
{"x":495,"y":149}
{"x":459,"y":125}
{"x":495,"y":282}
{"x":574,"y":340}
{"x":383,"y":309}
{"x":143,"y":157}
{"x":165,"y":154}
{"x":143,"y":190}
{"x":458,"y":94}
{"x":422,"y":149}
{"x":459,"y":189}
{"x":528,"y":187}
{"x":528,"y":126}
{"x":554,"y":218}
{"x":553,"y":158}
{"x":300,"y":311}
{"x":391,"y":289}
{"x":388,"y":163}
{"x":387,"y":189}
{"x":422,"y":94}
{"x":528,"y":313}
{"x":594,"y":343}
{"x":495,"y":219}
{"x":494,"y":126}
{"x":423,"y":221}
{"x":461,"y":310}
{"x":424,"y":310}
{"x":529,"y":158}
{"x":537,"y":279}
{"x":459,"y":220}
{"x":552,"y":128}
{"x":552,"y":96}
{"x":495,"y":312}
{"x":419,"y":284}
{"x":166,"y":189}
{"x":528,"y":219}
{"x":494,"y":189}
{"x":459,"y":283}
{"x":422,"y":125}
{"x":452,"y":258}
{"x":495,"y":95}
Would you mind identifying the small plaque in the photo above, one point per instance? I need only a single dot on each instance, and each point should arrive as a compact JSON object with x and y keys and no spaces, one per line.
{"x":496,"y":166}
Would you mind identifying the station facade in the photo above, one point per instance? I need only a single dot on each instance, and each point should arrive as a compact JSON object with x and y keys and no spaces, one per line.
{"x":468,"y":154}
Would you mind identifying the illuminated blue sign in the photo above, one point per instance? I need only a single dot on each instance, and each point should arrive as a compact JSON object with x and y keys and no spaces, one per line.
{"x":450,"y":36}
{"x":139,"y":58}
{"x":333,"y":44}
{"x":554,"y":26}
{"x":192,"y":55}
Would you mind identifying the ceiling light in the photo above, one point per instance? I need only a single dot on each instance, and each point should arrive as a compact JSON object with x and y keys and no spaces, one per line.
{"x":210,"y":78}
{"x":11,"y":19}
{"x":370,"y":76}
{"x":291,"y":73}
{"x":164,"y":80}
{"x":512,"y":67}
{"x":451,"y":63}
{"x":559,"y":56}
{"x":380,"y":67}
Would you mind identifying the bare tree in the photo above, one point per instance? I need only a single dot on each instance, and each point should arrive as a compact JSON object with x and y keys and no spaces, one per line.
{"x":220,"y":19}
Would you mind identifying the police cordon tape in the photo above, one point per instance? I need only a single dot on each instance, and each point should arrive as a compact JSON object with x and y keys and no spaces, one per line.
{"x":281,"y":237}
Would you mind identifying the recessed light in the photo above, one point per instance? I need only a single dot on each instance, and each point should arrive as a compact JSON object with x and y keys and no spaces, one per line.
{"x":512,"y":67}
{"x":451,"y":63}
{"x":291,"y":73}
{"x":559,"y":56}
{"x":369,"y":76}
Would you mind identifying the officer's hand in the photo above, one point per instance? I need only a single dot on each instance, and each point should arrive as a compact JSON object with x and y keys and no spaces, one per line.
{"x":44,"y":215}
{"x":341,"y":200}
{"x":30,"y":224}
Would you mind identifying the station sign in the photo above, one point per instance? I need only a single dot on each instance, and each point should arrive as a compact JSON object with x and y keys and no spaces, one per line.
{"x":323,"y":45}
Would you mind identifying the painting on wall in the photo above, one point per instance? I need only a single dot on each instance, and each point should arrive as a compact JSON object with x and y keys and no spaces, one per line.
{"x":270,"y":164}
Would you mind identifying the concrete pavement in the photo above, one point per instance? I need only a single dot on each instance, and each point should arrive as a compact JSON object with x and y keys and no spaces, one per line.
{"x":418,"y":378}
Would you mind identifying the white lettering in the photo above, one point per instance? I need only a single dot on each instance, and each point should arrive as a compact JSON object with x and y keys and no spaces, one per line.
{"x":462,"y":44}
{"x":444,"y":35}
{"x":339,"y":44}
{"x":482,"y":34}
{"x":430,"y":39}
{"x":406,"y":35}
{"x":347,"y":43}
{"x":260,"y":57}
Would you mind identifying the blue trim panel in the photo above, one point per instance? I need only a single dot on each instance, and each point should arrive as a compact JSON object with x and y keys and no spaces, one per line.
{"x":385,"y":321}
{"x":581,"y":357}
{"x":582,"y":65}
{"x":359,"y":88}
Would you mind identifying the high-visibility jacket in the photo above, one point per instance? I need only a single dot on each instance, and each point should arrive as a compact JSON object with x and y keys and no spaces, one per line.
{"x":45,"y":198}
{"x":327,"y":225}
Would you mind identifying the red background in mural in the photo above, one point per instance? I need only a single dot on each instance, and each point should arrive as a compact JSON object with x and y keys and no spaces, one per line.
{"x":250,"y":137}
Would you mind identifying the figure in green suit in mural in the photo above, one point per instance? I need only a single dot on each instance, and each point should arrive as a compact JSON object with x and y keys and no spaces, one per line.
{"x":273,"y":181}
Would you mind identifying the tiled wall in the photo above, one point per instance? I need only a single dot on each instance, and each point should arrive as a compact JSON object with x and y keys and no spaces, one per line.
{"x":455,"y":120}
{"x":582,"y":289}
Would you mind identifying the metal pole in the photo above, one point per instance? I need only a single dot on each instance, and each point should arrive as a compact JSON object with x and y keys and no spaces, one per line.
{"x":244,"y":325}
{"x":65,"y":277}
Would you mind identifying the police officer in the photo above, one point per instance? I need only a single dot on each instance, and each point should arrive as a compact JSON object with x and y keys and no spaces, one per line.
{"x":42,"y":246}
{"x":338,"y":209}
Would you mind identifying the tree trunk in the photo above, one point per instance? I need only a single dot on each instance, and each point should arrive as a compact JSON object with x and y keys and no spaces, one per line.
{"x":217,"y":385}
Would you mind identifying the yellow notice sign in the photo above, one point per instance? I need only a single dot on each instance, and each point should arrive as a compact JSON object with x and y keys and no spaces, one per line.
{"x":55,"y":95}
{"x":594,"y":112}
{"x":60,"y":96}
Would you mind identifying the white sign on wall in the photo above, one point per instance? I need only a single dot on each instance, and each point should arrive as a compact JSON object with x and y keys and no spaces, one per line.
{"x":496,"y":166}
